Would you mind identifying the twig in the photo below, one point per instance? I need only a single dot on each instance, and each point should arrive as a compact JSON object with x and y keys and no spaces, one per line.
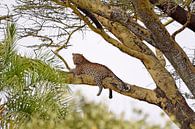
{"x":6,"y":17}
{"x":63,"y":60}
{"x":189,"y":16}
{"x":42,"y":45}
{"x":108,"y":38}
{"x":66,"y":43}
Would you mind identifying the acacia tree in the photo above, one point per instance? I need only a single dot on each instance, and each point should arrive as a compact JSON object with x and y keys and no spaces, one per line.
{"x":37,"y":97}
{"x":121,"y":19}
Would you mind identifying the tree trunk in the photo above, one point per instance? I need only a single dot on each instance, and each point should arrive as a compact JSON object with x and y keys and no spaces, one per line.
{"x":179,"y":111}
{"x":178,"y":14}
{"x":166,"y":95}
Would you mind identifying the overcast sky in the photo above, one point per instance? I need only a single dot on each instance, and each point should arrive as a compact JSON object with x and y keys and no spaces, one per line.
{"x":129,"y":69}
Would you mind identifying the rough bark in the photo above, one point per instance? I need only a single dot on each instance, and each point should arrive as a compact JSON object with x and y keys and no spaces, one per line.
{"x":178,"y":13}
{"x":178,"y":111}
{"x":129,"y":36}
{"x":159,"y":37}
{"x":167,"y":45}
{"x":136,"y":92}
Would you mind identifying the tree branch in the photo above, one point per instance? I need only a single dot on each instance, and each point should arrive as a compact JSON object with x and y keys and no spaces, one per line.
{"x":114,"y":14}
{"x":111,"y":40}
{"x":6,"y":17}
{"x":166,"y":44}
{"x":125,"y":36}
{"x":136,"y":92}
{"x":150,"y":61}
{"x":179,"y":14}
{"x":184,"y":25}
{"x":62,"y":59}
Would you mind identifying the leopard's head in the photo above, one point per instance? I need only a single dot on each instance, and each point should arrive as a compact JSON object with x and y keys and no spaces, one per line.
{"x":79,"y":59}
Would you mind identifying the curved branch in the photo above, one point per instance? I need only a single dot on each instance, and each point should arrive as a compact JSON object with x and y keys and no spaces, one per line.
{"x":179,"y":14}
{"x":114,"y":14}
{"x":166,"y":44}
{"x":62,"y":59}
{"x":108,"y":38}
{"x":150,"y":61}
{"x":155,"y":64}
{"x":184,"y":25}
{"x":136,"y":92}
{"x":92,"y":17}
{"x":125,"y":36}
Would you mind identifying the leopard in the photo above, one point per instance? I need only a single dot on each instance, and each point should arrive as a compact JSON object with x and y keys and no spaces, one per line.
{"x":97,"y":71}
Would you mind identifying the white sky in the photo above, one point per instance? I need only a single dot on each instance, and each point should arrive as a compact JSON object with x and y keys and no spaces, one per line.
{"x":129,"y":69}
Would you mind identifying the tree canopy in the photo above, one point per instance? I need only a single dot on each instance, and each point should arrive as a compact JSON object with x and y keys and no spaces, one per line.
{"x":129,"y":25}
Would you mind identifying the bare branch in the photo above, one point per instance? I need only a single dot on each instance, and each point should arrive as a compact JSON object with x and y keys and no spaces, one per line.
{"x":189,"y":16}
{"x":111,"y":40}
{"x":136,"y":92}
{"x":6,"y":17}
{"x":179,"y":14}
{"x":67,"y":41}
{"x":172,"y":51}
{"x":62,"y":59}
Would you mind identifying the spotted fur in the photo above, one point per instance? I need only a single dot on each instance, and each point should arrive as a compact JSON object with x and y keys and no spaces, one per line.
{"x":97,"y":71}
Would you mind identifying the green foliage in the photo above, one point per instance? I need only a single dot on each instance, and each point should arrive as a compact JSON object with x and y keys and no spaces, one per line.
{"x":90,"y":116}
{"x":39,"y":99}
{"x":34,"y":86}
{"x":19,"y":72}
{"x":42,"y":101}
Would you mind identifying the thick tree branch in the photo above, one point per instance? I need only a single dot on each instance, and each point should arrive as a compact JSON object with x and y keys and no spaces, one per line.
{"x":153,"y":64}
{"x":136,"y":92}
{"x":156,"y":97}
{"x":166,"y":44}
{"x":111,"y":40}
{"x":178,"y":14}
{"x":125,"y":36}
{"x":114,"y":14}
